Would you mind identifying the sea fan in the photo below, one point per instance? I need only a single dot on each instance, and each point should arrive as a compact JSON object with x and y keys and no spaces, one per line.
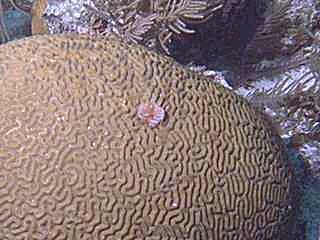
{"x":279,"y":43}
{"x":173,"y":16}
{"x":152,"y":23}
{"x":267,"y":40}
{"x":294,"y":102}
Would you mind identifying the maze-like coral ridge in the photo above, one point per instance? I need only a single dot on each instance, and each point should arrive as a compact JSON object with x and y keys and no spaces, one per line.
{"x":77,"y":163}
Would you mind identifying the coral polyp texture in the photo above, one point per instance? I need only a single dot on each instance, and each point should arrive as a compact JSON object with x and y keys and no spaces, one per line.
{"x":76,"y":162}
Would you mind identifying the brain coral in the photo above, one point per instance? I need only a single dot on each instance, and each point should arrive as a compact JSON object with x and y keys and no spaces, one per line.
{"x":76,"y":162}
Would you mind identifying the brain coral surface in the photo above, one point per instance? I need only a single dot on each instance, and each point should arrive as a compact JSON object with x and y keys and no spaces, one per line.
{"x":77,"y":161}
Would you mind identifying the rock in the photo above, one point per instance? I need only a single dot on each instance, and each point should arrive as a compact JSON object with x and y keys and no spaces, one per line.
{"x":39,"y":25}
